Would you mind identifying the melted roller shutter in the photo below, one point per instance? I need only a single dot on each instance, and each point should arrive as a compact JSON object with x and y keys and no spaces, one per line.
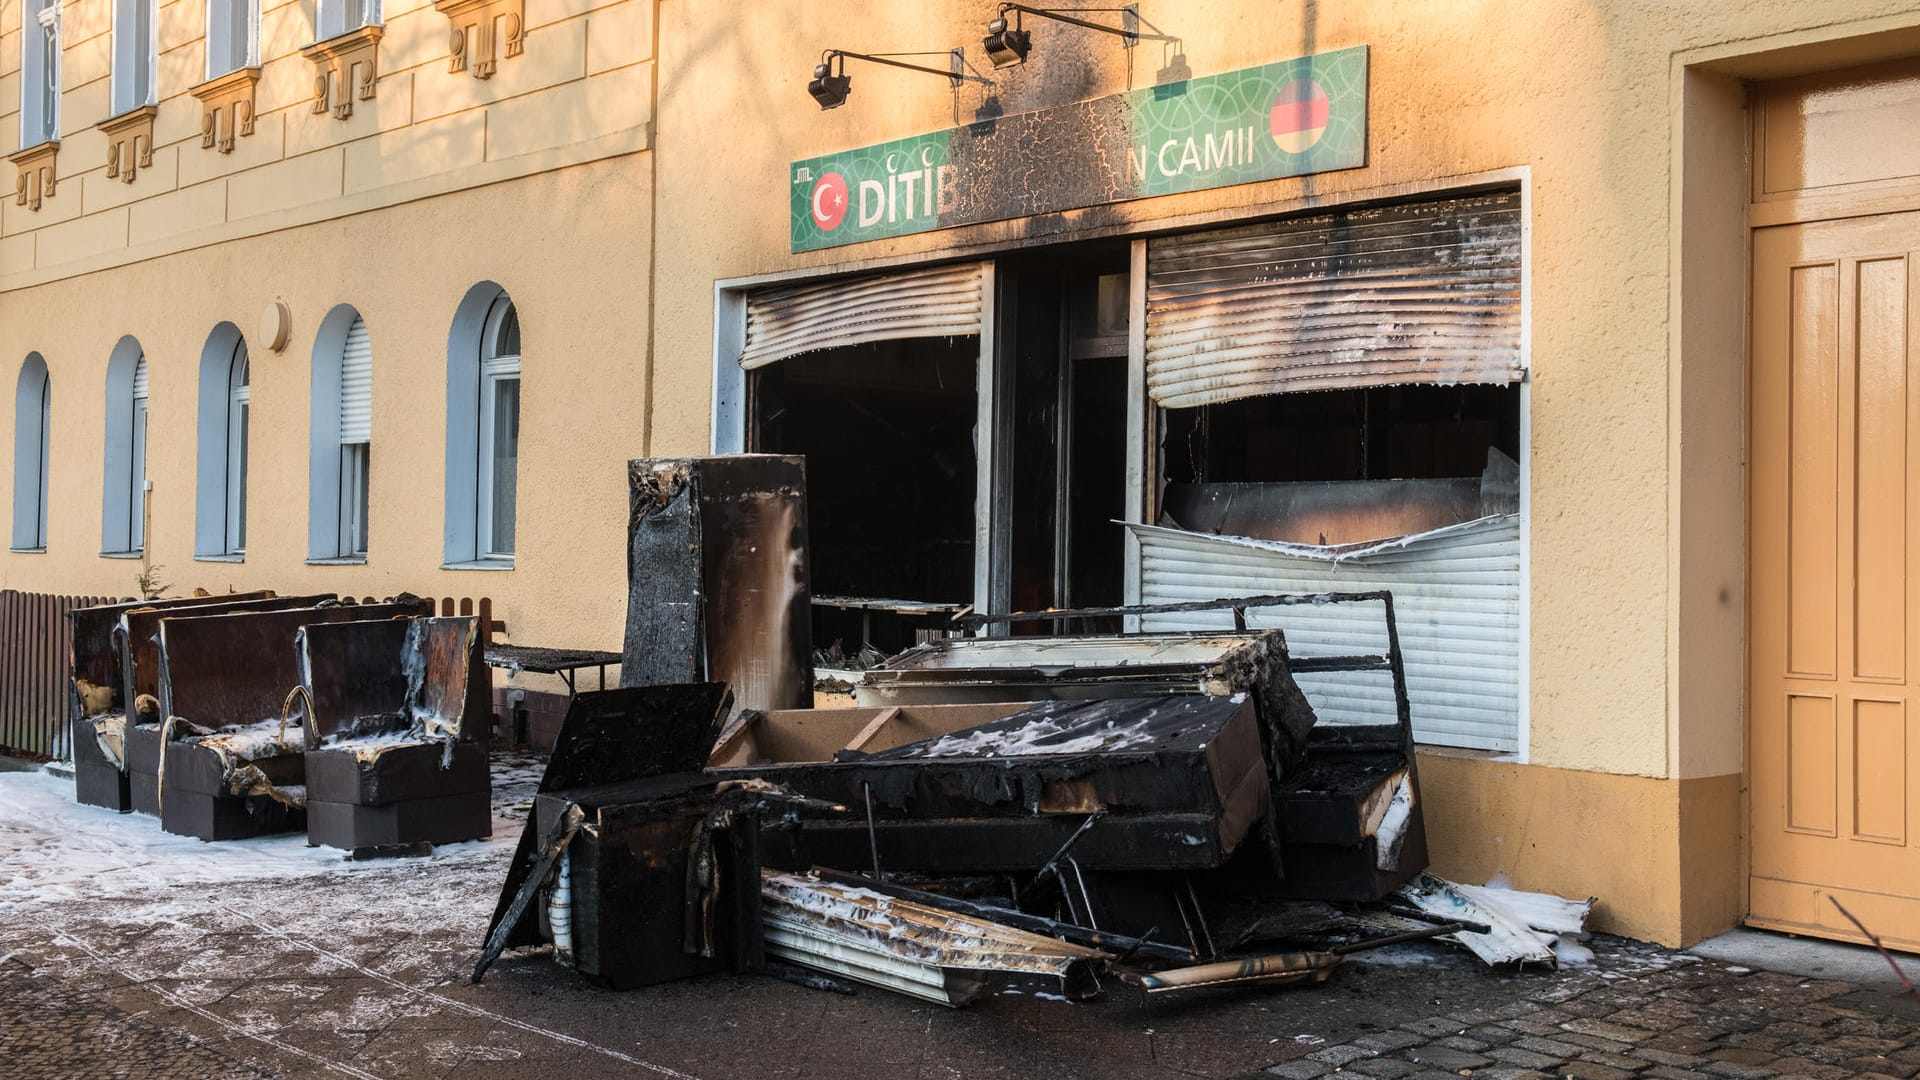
{"x":941,"y":301}
{"x":1423,"y":292}
{"x":356,"y":386}
{"x":1456,"y":596}
{"x":140,"y":379}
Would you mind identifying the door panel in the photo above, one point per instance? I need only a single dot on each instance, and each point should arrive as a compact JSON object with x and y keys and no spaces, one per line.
{"x":1832,"y":751}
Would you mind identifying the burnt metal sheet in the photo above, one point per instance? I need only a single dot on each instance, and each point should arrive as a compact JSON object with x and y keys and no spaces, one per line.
{"x":1413,"y":292}
{"x":718,"y":579}
{"x":926,"y":952}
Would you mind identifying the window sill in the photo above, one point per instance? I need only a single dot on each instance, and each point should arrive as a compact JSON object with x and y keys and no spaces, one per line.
{"x":134,"y":554}
{"x":339,"y":560}
{"x":479,"y":564}
{"x":236,"y":557}
{"x":41,"y":550}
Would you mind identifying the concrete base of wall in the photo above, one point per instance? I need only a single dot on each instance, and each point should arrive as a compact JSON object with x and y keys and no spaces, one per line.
{"x":1664,"y":858}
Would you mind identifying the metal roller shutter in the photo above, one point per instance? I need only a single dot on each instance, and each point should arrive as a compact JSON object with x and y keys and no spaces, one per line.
{"x":140,"y":379}
{"x":356,"y":386}
{"x":1424,"y":292}
{"x":1456,"y":595}
{"x":941,"y":301}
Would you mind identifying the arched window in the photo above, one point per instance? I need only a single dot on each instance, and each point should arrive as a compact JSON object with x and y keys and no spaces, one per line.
{"x":340,"y":456}
{"x":483,"y":430}
{"x":220,"y":502}
{"x":123,"y":488}
{"x":32,"y":421}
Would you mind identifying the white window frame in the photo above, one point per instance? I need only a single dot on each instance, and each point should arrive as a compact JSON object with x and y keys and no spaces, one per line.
{"x":39,"y":73}
{"x":356,"y":467}
{"x":130,"y":87}
{"x":239,"y":401}
{"x":337,"y":484}
{"x":33,"y":423}
{"x":334,"y":17}
{"x":222,"y":436}
{"x":137,"y":472}
{"x":220,"y":47}
{"x":496,"y":367}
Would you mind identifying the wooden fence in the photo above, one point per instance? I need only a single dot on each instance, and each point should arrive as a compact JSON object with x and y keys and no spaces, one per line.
{"x":34,"y":642}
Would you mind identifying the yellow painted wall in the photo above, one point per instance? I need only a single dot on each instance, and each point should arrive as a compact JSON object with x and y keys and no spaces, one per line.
{"x":569,"y":246}
{"x":582,"y":90}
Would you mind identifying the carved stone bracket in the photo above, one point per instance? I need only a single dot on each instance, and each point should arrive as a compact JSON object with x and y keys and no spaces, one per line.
{"x":483,"y":32}
{"x":345,"y":69}
{"x":226,"y":105}
{"x":36,"y":178}
{"x":129,"y":141}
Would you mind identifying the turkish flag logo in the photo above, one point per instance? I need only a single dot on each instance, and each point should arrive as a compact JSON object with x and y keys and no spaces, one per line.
{"x":830,"y":201}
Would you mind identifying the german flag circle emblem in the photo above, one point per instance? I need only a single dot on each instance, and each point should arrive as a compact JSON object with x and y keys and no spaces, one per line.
{"x":1299,"y":116}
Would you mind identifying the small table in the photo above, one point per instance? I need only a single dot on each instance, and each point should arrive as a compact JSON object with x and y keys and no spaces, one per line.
{"x":867,"y":605}
{"x":561,"y":662}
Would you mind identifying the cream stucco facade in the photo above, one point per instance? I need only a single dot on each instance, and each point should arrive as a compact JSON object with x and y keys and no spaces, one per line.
{"x":614,"y":195}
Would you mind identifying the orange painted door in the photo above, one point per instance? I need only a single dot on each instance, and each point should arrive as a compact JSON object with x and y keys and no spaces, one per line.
{"x":1833,"y":737}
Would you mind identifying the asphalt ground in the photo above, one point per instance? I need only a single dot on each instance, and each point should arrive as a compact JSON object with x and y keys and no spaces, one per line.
{"x":127,"y":953}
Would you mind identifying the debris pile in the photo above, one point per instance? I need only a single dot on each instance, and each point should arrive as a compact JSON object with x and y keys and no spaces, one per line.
{"x":1070,"y":809}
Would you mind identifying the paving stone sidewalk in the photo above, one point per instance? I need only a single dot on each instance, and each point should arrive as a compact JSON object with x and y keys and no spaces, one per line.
{"x":1693,"y":1019}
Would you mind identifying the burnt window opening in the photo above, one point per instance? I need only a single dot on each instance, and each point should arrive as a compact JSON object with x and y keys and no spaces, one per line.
{"x":887,"y":431}
{"x":1342,"y":466}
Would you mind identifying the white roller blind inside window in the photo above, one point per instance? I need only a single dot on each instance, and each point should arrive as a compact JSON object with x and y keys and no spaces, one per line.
{"x":356,"y":386}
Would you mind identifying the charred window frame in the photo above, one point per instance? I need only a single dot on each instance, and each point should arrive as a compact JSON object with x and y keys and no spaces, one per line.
{"x":1380,"y":432}
{"x":739,"y":395}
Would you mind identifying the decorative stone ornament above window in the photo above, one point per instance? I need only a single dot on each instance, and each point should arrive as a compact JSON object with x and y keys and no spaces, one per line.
{"x":345,"y":69}
{"x":36,"y":179}
{"x":479,"y":29}
{"x":129,"y":142}
{"x":226,"y":105}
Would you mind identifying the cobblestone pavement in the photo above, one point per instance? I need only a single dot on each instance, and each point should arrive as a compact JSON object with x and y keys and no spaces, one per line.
{"x":124,"y":953}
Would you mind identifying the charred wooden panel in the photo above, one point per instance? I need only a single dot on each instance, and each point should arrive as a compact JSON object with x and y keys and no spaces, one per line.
{"x":447,"y":682}
{"x":237,"y":668}
{"x":94,"y":655}
{"x":718,"y":577}
{"x":140,"y":634}
{"x":353,"y":670}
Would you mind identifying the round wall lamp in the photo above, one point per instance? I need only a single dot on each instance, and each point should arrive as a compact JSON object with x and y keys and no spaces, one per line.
{"x":276,"y":326}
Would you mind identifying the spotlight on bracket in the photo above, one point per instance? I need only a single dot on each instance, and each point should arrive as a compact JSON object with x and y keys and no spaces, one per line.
{"x":1007,"y":47}
{"x":831,"y":84}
